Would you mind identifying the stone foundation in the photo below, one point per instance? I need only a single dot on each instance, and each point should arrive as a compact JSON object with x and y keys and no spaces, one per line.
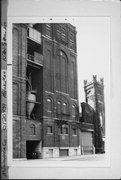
{"x":53,"y":152}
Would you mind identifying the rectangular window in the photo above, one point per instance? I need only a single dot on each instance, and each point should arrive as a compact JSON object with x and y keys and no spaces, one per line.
{"x":32,"y":130}
{"x":74,"y":131}
{"x":61,"y":130}
{"x":49,"y":129}
{"x":65,"y":130}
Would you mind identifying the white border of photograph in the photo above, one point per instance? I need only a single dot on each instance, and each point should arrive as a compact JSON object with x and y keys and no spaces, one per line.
{"x":104,"y":160}
{"x":92,"y":169}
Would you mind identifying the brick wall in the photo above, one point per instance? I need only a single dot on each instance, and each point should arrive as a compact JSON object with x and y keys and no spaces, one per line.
{"x":19,"y":91}
{"x":51,"y":52}
{"x":56,"y":139}
{"x":46,"y":88}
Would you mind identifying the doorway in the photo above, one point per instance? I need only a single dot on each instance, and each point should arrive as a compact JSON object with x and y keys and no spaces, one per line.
{"x":87,"y":143}
{"x":33,"y":150}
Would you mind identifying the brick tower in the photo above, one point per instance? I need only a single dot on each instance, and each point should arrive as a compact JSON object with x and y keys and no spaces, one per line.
{"x":94,"y":94}
{"x":45,"y":98}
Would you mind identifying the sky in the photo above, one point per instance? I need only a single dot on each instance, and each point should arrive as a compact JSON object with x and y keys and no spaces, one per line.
{"x":93,"y":51}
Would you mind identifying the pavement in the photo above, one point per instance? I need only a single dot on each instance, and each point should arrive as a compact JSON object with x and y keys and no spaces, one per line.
{"x":94,"y":157}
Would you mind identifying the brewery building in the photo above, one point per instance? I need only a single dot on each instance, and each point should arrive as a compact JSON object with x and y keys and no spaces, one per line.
{"x":46,"y":118}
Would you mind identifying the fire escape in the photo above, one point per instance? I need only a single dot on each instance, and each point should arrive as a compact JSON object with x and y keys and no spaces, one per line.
{"x":34,"y":79}
{"x":34,"y":71}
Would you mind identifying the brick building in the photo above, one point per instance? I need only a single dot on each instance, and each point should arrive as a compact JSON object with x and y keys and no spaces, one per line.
{"x":87,"y":120}
{"x":94,"y":94}
{"x":45,"y":99}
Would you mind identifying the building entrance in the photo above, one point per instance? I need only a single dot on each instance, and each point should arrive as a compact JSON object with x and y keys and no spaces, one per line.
{"x":87,"y":143}
{"x":33,"y":149}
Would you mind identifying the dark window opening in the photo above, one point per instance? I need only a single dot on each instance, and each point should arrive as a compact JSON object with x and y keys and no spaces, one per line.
{"x":32,"y":129}
{"x":66,"y":130}
{"x":61,"y":130}
{"x":74,"y":131}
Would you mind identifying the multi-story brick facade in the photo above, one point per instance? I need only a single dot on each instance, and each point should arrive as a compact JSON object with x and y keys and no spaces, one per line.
{"x":45,"y":63}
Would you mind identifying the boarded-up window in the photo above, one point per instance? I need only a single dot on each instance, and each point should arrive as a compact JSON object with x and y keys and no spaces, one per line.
{"x":87,"y":139}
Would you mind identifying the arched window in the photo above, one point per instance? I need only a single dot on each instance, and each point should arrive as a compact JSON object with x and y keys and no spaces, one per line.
{"x":61,"y":70}
{"x":32,"y":129}
{"x":57,"y":71}
{"x":59,"y":107}
{"x":73,"y":111}
{"x":49,"y":70}
{"x":63,"y":74}
{"x":49,"y":106}
{"x":64,"y":108}
{"x":72,"y":79}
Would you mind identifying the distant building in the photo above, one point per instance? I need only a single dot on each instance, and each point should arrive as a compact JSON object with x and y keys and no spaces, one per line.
{"x":94,"y":94}
{"x":45,"y":99}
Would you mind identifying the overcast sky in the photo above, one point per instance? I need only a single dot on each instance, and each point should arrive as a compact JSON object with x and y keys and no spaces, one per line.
{"x":93,"y":51}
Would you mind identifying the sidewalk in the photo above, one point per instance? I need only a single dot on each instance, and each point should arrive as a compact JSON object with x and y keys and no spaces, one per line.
{"x":80,"y":157}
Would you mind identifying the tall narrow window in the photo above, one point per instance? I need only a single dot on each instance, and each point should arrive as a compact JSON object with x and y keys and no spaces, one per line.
{"x":74,"y":131}
{"x":15,"y":65}
{"x":49,"y":71}
{"x":72,"y":79}
{"x":73,"y":111}
{"x":32,"y":129}
{"x":61,"y":69}
{"x":15,"y":51}
{"x":59,"y":107}
{"x":49,"y":130}
{"x":64,"y":108}
{"x":63,"y":74}
{"x":57,"y":71}
{"x":49,"y":106}
{"x":48,"y":30}
{"x":61,"y":130}
{"x":65,"y":130}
